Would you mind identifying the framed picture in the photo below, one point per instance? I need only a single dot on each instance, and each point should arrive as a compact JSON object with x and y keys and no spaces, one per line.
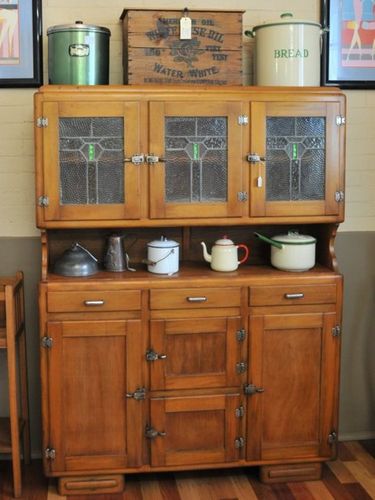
{"x":21,"y":63}
{"x":348,"y":55}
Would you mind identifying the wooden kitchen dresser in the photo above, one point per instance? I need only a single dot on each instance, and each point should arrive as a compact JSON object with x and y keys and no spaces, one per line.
{"x":144,"y":372}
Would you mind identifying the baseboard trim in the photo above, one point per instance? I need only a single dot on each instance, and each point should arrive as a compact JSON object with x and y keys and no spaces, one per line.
{"x":356,"y":436}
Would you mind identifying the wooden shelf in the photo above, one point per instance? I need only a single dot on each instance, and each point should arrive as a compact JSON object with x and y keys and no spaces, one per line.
{"x":191,"y":271}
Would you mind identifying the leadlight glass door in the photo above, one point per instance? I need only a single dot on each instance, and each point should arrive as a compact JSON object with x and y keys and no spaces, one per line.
{"x":198,"y":147}
{"x":85,"y":173}
{"x":295,"y":159}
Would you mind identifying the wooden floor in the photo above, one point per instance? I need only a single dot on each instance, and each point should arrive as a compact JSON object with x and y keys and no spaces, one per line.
{"x":352,"y":476}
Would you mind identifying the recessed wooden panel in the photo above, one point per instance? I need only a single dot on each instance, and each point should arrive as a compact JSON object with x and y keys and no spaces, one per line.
{"x":291,"y":401}
{"x":197,"y":353}
{"x":198,"y":430}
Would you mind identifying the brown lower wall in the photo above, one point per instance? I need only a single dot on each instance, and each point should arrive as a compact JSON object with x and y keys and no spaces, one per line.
{"x":355,"y":252}
{"x":356,"y":256}
{"x":25,"y":254}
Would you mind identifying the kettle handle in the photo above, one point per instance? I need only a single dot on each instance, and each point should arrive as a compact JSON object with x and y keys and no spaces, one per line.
{"x":85,"y":249}
{"x":246,"y":253}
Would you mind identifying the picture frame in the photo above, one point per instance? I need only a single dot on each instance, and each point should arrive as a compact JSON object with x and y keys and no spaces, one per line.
{"x":348,"y":47}
{"x":21,"y":56}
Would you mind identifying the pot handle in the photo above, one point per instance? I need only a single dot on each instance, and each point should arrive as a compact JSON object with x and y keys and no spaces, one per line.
{"x":250,"y":33}
{"x":269,"y":240}
{"x":246,"y":253}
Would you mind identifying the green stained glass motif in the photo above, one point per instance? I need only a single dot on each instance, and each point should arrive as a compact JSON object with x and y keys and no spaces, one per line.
{"x":196,"y":154}
{"x":91,"y":154}
{"x":295,"y":153}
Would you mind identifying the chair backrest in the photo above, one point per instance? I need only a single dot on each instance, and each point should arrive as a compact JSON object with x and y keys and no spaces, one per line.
{"x":14,"y":306}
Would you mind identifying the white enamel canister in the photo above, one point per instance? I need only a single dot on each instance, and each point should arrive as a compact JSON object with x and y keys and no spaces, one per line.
{"x":162,"y":256}
{"x":287,"y":52}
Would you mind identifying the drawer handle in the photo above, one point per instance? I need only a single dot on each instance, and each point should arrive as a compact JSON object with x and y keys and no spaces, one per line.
{"x":94,"y":302}
{"x":196,"y":299}
{"x":294,"y":295}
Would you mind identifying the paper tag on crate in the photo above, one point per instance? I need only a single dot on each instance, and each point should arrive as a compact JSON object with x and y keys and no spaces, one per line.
{"x":185,"y":27}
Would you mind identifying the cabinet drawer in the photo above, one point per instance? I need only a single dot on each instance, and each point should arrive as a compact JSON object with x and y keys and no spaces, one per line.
{"x":292,"y":295}
{"x":190,"y":298}
{"x":92,"y":301}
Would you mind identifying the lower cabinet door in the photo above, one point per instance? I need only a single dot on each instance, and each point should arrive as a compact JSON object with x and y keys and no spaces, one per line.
{"x":195,"y":353}
{"x":292,"y":410}
{"x":91,"y":366}
{"x":194,"y":430}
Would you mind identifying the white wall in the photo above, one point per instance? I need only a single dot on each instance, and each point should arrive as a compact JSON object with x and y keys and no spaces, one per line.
{"x":16,"y":108}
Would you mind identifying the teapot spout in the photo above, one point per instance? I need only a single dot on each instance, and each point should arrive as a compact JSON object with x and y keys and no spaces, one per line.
{"x":207,"y":257}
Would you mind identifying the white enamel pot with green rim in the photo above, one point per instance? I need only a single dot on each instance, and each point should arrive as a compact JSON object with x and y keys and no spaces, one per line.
{"x":291,"y":252}
{"x":287,"y":52}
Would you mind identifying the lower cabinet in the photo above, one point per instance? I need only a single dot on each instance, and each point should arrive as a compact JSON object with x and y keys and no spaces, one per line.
{"x":180,"y":378}
{"x":294,"y":360}
{"x":194,"y":353}
{"x":188,"y":430}
{"x":91,"y":367}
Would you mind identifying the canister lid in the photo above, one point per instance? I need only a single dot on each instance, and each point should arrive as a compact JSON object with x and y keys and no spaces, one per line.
{"x":294,"y":238}
{"x":286,"y":18}
{"x":78,"y":26}
{"x":163,"y":243}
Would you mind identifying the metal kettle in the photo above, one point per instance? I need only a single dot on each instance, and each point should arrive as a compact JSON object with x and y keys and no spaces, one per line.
{"x":115,"y":258}
{"x":76,"y":261}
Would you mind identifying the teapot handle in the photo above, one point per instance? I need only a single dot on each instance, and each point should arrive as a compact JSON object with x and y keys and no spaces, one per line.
{"x":246,"y":253}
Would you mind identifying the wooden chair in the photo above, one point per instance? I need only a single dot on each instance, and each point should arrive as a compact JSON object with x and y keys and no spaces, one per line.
{"x":12,"y":339}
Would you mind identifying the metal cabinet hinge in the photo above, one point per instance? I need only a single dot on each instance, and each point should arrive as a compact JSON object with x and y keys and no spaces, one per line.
{"x":136,"y":159}
{"x":152,"y":433}
{"x":239,"y":442}
{"x":153,"y":356}
{"x":50,"y":453}
{"x":46,"y":342}
{"x":243,"y":120}
{"x":139,"y":394}
{"x":241,"y":367}
{"x":240,"y":411}
{"x":339,"y":196}
{"x":242,"y":196}
{"x":42,"y":122}
{"x":340,"y":120}
{"x":241,"y":335}
{"x":336,"y":331}
{"x":43,"y":201}
{"x":255,"y":158}
{"x":332,"y":437}
{"x":250,"y":389}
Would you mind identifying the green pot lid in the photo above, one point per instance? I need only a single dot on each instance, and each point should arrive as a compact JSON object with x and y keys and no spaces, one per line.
{"x":294,"y":238}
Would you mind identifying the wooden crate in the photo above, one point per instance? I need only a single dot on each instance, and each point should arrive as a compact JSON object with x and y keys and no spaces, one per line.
{"x":154,"y":53}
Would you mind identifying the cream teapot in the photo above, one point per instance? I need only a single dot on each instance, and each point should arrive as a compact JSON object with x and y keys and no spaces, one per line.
{"x":224,"y":255}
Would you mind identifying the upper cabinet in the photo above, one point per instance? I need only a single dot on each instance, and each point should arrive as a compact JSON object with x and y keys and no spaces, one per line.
{"x":198,"y":167}
{"x":89,"y":160}
{"x":295,"y":164}
{"x":131,"y":155}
